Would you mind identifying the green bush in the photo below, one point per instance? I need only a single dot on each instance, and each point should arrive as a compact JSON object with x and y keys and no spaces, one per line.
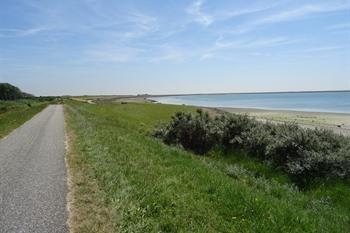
{"x":196,"y":133}
{"x":304,"y":154}
{"x":233,"y":129}
{"x":257,"y":139}
{"x":3,"y":109}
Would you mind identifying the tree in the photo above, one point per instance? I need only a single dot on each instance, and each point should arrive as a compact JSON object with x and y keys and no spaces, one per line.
{"x":10,"y":92}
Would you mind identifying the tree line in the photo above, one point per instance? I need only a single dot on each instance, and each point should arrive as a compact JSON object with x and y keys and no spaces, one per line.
{"x":10,"y":92}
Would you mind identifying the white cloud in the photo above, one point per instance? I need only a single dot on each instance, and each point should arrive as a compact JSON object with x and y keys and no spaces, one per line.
{"x":302,"y":12}
{"x":93,"y":18}
{"x":228,"y":14}
{"x":171,"y":53}
{"x":245,"y":44}
{"x":107,"y":53}
{"x":292,"y":15}
{"x":131,"y":33}
{"x":139,"y":25}
{"x":339,"y":26}
{"x":196,"y":11}
{"x":15,"y":32}
{"x":206,"y":56}
{"x":175,"y":54}
{"x":322,"y":49}
{"x":206,"y":19}
{"x":253,"y":43}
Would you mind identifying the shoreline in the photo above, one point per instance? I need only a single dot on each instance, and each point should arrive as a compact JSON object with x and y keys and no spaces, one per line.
{"x":337,"y":122}
{"x":264,"y":110}
{"x":243,"y":93}
{"x":249,"y":110}
{"x":150,"y":96}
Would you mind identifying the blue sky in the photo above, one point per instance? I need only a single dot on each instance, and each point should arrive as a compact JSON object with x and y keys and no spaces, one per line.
{"x":50,"y":47}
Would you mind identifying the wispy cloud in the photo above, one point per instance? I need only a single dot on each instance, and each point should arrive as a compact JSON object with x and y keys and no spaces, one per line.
{"x":93,"y":18}
{"x":255,"y":8}
{"x":206,"y":19}
{"x":15,"y":32}
{"x":322,"y":49}
{"x":254,"y":43}
{"x":139,"y":24}
{"x":206,"y":56}
{"x":131,"y":32}
{"x":171,"y":53}
{"x":302,"y":12}
{"x":108,"y":53}
{"x":246,"y":44}
{"x":292,"y":15}
{"x":343,"y":28}
{"x":130,"y":25}
{"x":195,"y":9}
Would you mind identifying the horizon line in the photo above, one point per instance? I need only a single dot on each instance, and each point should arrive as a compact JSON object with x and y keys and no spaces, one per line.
{"x":210,"y":93}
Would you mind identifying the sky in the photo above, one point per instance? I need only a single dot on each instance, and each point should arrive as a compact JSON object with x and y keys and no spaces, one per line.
{"x":93,"y":47}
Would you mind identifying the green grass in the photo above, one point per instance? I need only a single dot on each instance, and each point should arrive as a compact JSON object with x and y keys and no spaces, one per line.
{"x":14,"y":113}
{"x":151,"y":187}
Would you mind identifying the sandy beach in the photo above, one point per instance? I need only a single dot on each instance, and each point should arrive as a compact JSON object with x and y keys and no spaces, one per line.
{"x":338,"y":122}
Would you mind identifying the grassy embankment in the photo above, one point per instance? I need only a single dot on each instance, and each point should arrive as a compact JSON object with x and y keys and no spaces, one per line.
{"x":123,"y":180}
{"x":14,"y":113}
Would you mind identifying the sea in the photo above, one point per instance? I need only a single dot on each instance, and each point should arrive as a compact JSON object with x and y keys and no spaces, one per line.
{"x":329,"y":101}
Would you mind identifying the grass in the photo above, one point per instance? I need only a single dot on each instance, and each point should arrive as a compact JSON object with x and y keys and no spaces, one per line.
{"x":138,"y":184}
{"x":14,"y":113}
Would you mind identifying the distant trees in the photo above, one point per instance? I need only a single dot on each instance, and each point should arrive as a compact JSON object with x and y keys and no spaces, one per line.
{"x":10,"y":92}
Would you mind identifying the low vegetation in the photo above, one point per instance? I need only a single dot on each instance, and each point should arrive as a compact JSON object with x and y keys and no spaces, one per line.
{"x":16,"y":107}
{"x":144,"y":185}
{"x":14,"y":113}
{"x":304,"y":154}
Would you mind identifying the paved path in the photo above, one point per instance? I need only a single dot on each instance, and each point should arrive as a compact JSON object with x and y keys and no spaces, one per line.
{"x":33,"y":176}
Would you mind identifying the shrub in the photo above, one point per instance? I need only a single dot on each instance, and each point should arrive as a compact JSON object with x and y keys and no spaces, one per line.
{"x":3,"y":109}
{"x":233,"y":129}
{"x":258,"y":137}
{"x":196,"y":133}
{"x":289,"y":143}
{"x":304,"y":154}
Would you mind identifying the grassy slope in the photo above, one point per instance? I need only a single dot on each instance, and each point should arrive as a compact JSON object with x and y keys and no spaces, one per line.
{"x":146,"y":186}
{"x":16,"y":113}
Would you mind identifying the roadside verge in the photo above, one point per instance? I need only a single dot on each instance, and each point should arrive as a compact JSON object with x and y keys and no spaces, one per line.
{"x":86,"y":207}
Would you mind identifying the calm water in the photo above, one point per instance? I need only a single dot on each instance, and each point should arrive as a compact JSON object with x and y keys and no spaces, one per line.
{"x":312,"y":101}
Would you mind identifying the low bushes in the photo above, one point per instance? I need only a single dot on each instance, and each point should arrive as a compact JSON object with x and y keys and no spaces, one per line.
{"x":304,"y":154}
{"x":197,"y":133}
